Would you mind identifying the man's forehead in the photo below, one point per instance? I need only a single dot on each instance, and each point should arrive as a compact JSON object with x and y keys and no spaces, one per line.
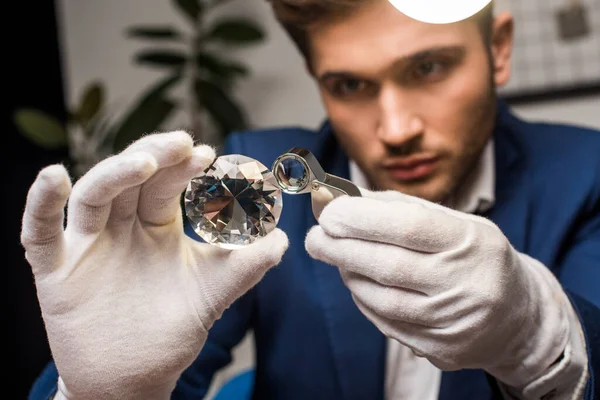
{"x":342,"y":47}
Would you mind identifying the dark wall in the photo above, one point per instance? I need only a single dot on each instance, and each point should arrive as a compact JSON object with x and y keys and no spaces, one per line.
{"x":32,"y":78}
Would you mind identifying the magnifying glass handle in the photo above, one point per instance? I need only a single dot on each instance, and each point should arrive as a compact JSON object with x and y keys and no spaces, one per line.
{"x":323,"y":192}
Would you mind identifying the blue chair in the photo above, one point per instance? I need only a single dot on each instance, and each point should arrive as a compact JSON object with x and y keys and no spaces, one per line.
{"x":237,"y":388}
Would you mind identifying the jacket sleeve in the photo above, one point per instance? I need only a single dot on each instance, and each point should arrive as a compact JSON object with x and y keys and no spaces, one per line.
{"x":225,"y":334}
{"x":580,"y":276}
{"x":45,"y":386}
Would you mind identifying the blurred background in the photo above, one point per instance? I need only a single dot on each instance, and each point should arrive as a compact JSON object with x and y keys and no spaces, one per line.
{"x":93,"y":75}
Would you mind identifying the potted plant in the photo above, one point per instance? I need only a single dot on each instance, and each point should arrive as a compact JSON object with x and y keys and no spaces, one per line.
{"x":192,"y":57}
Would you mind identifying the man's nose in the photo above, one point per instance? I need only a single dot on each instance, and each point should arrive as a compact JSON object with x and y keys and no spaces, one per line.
{"x":398,"y":123}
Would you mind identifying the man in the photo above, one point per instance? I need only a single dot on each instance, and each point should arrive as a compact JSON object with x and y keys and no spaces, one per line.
{"x":469,"y":267}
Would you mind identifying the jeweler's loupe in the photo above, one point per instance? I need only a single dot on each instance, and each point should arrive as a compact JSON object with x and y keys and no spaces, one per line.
{"x":298,"y":172}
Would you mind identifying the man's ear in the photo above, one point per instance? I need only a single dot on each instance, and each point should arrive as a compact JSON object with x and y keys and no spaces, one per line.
{"x":501,"y":47}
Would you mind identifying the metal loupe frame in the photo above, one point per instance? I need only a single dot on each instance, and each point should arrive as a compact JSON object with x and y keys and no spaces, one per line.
{"x":322,"y":186}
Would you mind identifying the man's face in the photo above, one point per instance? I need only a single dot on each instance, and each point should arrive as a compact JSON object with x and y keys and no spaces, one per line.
{"x":412,"y":104}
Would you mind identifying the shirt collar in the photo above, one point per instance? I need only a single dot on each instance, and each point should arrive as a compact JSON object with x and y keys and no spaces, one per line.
{"x":476,"y":195}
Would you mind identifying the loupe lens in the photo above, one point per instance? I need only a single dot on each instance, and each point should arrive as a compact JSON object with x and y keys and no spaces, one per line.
{"x":291,"y":174}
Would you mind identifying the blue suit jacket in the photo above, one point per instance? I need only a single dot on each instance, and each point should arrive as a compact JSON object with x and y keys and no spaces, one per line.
{"x":312,"y":342}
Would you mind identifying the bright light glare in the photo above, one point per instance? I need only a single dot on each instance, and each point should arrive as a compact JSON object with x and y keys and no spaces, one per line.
{"x":439,"y":11}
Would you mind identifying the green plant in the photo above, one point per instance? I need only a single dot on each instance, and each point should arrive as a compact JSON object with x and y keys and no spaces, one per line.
{"x":92,"y":130}
{"x":192,"y":57}
{"x":87,"y":132}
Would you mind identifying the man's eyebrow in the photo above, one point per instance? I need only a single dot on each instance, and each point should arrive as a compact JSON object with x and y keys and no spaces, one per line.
{"x":420,"y":55}
{"x":336,"y":75}
{"x":410,"y":58}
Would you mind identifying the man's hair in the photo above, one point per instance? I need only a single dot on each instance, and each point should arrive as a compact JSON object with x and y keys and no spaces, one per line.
{"x":296,"y":16}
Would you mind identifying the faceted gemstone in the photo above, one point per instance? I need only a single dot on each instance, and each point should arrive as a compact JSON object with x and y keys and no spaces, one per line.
{"x":233,"y":202}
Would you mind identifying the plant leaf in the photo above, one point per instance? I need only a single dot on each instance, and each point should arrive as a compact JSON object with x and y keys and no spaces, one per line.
{"x":224,"y":111}
{"x":222,"y":70}
{"x":236,"y":31}
{"x":216,"y":3}
{"x":101,"y":127}
{"x":190,"y":8}
{"x":154,"y":32}
{"x":161,"y":58}
{"x":238,"y":69}
{"x":91,"y":102}
{"x":146,"y":115}
{"x":41,"y":128}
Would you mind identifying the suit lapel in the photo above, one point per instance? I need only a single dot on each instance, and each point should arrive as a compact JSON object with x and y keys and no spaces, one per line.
{"x":358,"y":347}
{"x":512,"y":206}
{"x":510,"y":213}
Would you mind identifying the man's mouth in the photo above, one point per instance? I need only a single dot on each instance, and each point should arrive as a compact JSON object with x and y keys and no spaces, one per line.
{"x":411,"y":168}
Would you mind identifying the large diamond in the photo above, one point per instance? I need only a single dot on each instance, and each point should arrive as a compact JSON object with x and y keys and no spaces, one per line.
{"x":233,"y":202}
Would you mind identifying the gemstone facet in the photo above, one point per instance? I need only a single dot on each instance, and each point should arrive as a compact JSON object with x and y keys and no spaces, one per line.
{"x":235,"y":201}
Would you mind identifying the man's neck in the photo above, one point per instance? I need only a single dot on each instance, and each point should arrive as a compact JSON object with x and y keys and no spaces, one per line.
{"x":476,"y":193}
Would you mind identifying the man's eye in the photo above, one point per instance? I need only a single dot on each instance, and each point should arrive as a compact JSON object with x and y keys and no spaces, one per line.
{"x":429,"y":70}
{"x":349,"y":87}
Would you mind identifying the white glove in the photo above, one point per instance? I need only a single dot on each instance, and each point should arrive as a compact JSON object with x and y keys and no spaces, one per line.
{"x":127,"y":298}
{"x":446,"y":284}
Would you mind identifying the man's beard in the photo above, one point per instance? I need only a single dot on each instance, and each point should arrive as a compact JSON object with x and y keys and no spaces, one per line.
{"x":472,"y":154}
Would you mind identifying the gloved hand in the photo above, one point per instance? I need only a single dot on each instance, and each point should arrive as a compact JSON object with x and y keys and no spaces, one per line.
{"x":127,"y":298}
{"x":446,"y":284}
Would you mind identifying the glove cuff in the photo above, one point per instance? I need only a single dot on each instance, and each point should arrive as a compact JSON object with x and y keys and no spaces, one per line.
{"x":163,"y":393}
{"x":567,"y":377}
{"x":545,"y":344}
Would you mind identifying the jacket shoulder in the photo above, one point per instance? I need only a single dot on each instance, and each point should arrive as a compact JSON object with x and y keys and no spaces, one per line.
{"x":564,"y":144}
{"x":564,"y":156}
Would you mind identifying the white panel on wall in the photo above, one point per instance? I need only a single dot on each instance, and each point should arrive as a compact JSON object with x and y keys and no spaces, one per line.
{"x":584,"y":111}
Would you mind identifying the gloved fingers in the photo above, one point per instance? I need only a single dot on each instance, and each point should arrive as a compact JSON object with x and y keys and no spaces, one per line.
{"x":167,"y":149}
{"x":407,"y":224}
{"x":446,"y":308}
{"x":92,"y":195}
{"x":389,"y":195}
{"x":228,"y":274}
{"x":403,"y":333}
{"x":43,"y":218}
{"x":159,"y":202}
{"x":389,"y":302}
{"x":394,"y":195}
{"x":124,"y":207}
{"x":387,"y":264}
